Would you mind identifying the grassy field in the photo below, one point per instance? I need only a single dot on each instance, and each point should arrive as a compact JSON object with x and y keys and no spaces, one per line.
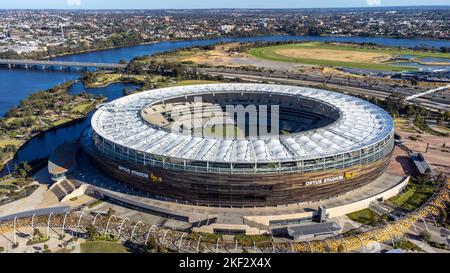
{"x":9,"y":141}
{"x":81,"y":108}
{"x":364,"y":216}
{"x":105,"y":79}
{"x":316,"y":53}
{"x":193,"y":82}
{"x":61,"y":121}
{"x":102,"y":247}
{"x":95,"y":203}
{"x":404,"y":125}
{"x":415,"y":196}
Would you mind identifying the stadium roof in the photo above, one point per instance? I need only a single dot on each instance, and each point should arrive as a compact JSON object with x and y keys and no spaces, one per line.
{"x":361,"y":124}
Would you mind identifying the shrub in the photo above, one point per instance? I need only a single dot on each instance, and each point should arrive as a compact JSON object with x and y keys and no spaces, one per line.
{"x":425,"y":235}
{"x":247,"y":240}
{"x":152,"y":244}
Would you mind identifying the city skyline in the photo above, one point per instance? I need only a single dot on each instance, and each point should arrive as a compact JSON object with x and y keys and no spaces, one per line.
{"x":202,"y":4}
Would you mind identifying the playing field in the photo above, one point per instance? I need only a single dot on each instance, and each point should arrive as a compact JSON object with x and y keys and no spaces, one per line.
{"x":337,"y":55}
{"x":334,"y":55}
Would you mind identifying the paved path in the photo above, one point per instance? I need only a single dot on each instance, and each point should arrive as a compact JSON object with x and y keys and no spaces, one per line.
{"x":41,"y":198}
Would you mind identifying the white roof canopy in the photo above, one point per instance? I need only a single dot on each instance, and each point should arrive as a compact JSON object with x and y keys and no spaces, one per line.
{"x":361,"y":124}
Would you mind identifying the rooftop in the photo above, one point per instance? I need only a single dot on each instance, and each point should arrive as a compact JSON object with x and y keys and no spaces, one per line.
{"x":360,"y":125}
{"x":305,"y":230}
{"x":63,"y":159}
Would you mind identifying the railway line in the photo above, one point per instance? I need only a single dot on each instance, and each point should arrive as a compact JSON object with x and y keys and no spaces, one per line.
{"x":360,"y":91}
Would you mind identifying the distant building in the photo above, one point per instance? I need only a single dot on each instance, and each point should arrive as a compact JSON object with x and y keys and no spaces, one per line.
{"x":227,"y":28}
{"x":19,"y":34}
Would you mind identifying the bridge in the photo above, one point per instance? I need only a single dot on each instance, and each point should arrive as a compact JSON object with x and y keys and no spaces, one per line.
{"x":426,"y":93}
{"x":42,"y":63}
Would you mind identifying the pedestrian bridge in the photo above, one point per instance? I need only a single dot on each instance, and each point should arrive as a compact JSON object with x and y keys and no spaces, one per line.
{"x":427,"y":93}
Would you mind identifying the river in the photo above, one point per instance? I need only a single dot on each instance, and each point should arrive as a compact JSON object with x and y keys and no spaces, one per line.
{"x":16,"y":85}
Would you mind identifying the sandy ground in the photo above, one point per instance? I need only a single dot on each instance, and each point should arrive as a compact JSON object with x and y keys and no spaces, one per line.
{"x":220,"y":56}
{"x":41,"y":198}
{"x":333,"y":55}
{"x":401,"y":164}
{"x":438,"y":159}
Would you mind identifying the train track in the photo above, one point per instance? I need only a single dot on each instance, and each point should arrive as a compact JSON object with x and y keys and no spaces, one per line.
{"x":243,"y":75}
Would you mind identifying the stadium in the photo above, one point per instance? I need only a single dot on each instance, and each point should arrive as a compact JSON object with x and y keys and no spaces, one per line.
{"x":324,"y":144}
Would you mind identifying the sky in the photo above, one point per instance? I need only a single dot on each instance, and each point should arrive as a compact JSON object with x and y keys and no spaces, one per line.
{"x":193,"y":4}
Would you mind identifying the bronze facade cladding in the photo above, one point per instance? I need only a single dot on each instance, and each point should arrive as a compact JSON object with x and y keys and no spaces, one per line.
{"x":244,"y":190}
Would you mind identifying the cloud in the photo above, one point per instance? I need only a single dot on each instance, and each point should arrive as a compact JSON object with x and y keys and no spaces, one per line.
{"x":374,"y":2}
{"x":73,"y":2}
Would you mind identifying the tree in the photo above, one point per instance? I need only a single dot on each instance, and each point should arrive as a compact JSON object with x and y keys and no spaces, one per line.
{"x":91,"y":232}
{"x":425,"y":236}
{"x":394,"y":104}
{"x":109,"y":213}
{"x":443,"y":219}
{"x":152,"y":244}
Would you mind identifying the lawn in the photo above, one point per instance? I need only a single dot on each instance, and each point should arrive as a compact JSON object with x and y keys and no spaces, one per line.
{"x":404,"y":125}
{"x":414,"y":197}
{"x":81,"y":108}
{"x":401,"y":199}
{"x":315,"y":53}
{"x":102,"y":247}
{"x":60,"y":122}
{"x":9,"y":141}
{"x":105,"y":79}
{"x":95,"y":203}
{"x":193,"y":82}
{"x":364,"y":216}
{"x":407,"y":245}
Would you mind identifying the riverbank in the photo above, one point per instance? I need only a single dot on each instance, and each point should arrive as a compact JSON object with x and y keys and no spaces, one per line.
{"x":421,"y":40}
{"x":41,"y":112}
{"x":102,"y":79}
{"x":97,"y":50}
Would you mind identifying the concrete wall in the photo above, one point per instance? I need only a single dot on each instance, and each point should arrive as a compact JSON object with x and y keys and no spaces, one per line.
{"x":363,"y":204}
{"x":248,"y":230}
{"x":76,"y":193}
{"x":334,"y":211}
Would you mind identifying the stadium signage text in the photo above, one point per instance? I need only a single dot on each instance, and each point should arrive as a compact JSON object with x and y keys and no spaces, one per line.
{"x":324,"y":181}
{"x":133,"y":172}
{"x":152,"y":177}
